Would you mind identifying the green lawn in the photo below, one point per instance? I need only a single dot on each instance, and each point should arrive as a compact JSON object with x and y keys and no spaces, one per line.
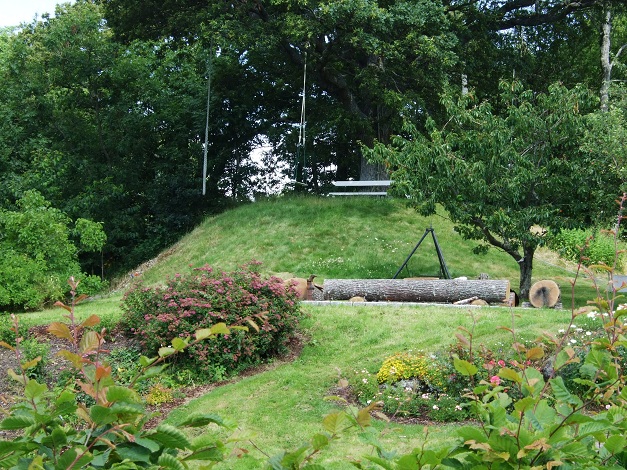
{"x":284,"y":406}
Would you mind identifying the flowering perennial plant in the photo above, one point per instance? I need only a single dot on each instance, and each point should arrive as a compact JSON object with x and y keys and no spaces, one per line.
{"x":188,"y":303}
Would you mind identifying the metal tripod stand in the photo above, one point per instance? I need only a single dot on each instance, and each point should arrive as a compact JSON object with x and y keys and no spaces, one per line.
{"x":443,"y":269}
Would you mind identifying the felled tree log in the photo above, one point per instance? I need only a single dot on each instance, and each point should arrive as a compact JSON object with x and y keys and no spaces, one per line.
{"x":428,"y":290}
{"x":544,"y":293}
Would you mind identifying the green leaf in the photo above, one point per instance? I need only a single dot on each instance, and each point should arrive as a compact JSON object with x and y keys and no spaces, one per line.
{"x":171,"y":437}
{"x":319,"y":441}
{"x":179,"y":343}
{"x":615,"y":443}
{"x":468,"y":433}
{"x":166,"y":351}
{"x":211,"y":453}
{"x":335,"y":422}
{"x":198,"y":420}
{"x":203,"y":333}
{"x":117,"y":393}
{"x":561,"y":392}
{"x":14,"y":422}
{"x":69,"y":457}
{"x":510,"y":374}
{"x":146,"y":361}
{"x":133,"y":452}
{"x":542,"y":417}
{"x":34,"y":389}
{"x":101,"y":415}
{"x":169,"y":462}
{"x":220,"y":329}
{"x":464,"y":367}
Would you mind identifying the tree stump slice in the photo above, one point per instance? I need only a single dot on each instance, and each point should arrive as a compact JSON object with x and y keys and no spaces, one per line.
{"x":544,"y":293}
{"x":401,"y":290}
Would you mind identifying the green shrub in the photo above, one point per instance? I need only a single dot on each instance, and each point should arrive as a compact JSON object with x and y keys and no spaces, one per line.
{"x":591,"y":247}
{"x":57,"y":431}
{"x":204,"y":298}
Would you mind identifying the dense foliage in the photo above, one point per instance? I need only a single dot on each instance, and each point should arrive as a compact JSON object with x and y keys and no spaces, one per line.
{"x":104,"y":105}
{"x":39,"y":253}
{"x":510,"y":169}
{"x":191,"y":302}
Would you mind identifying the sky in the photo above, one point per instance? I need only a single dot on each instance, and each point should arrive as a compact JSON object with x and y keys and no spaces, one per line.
{"x":14,"y":12}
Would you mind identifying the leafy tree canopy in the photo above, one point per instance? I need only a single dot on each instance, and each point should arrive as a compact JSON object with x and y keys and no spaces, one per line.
{"x":508,"y":171}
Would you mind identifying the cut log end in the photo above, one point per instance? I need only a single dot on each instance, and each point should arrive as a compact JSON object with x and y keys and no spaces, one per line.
{"x":544,"y":293}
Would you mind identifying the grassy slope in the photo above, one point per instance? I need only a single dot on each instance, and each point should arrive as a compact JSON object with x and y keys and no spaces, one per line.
{"x":340,"y":238}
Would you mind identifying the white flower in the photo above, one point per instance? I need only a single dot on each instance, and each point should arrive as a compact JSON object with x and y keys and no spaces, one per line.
{"x":561,"y":330}
{"x":592,"y":314}
{"x":364,"y":380}
{"x":588,"y":333}
{"x":573,"y":340}
{"x":607,"y":407}
{"x":458,"y":408}
{"x":425,"y":396}
{"x":368,"y":402}
{"x":436,"y":407}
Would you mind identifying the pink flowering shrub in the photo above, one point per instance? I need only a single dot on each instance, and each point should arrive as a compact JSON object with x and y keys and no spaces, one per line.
{"x":205,"y":297}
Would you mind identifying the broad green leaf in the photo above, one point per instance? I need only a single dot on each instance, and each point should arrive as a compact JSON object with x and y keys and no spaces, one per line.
{"x":116,"y":393}
{"x":615,"y":443}
{"x":169,"y":462}
{"x":202,"y":333}
{"x":510,"y":374}
{"x":542,"y":416}
{"x":220,"y":329}
{"x":166,"y":351}
{"x":335,"y":422}
{"x":89,"y":342}
{"x":179,"y":343}
{"x":211,"y":453}
{"x":133,"y":452}
{"x":468,"y":433}
{"x":464,"y":367}
{"x":561,"y":392}
{"x":146,"y":361}
{"x":169,"y":436}
{"x":319,"y":441}
{"x":34,"y":389}
{"x":101,"y":415}
{"x":14,"y":422}
{"x":198,"y":420}
{"x":57,"y":438}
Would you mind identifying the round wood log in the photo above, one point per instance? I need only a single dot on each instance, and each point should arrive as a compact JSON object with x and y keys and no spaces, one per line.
{"x":544,"y":294}
{"x":401,"y":290}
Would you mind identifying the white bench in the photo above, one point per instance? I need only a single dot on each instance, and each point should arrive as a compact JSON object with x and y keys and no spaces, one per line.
{"x":361,"y":184}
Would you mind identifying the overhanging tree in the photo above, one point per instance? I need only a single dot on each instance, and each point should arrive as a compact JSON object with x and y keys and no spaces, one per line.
{"x":509,"y":172}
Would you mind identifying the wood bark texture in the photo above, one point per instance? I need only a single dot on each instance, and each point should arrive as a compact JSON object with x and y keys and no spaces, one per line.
{"x":402,"y":290}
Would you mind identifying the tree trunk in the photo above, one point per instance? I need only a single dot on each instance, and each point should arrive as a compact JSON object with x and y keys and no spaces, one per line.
{"x":606,"y":63}
{"x":526,"y":268}
{"x":422,"y":290}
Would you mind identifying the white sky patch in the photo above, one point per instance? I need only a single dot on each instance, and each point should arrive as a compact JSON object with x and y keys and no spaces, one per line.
{"x":14,"y":12}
